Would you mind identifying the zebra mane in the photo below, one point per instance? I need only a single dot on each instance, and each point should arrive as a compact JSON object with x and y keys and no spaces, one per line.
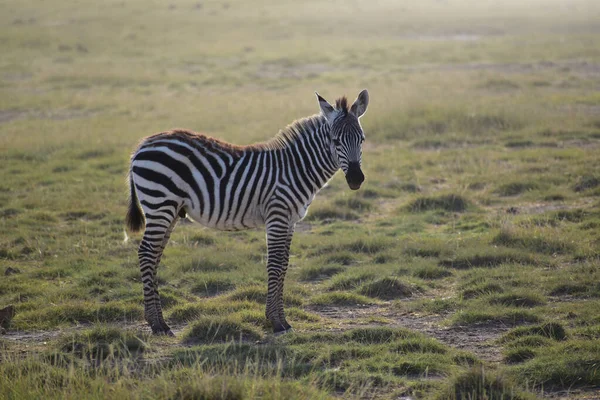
{"x":341,"y":104}
{"x":301,"y":128}
{"x":297,"y":130}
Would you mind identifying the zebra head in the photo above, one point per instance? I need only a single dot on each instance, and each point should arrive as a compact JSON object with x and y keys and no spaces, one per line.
{"x":347,"y":135}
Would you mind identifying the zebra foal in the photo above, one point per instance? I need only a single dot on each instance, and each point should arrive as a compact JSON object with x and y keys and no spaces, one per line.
{"x":223,"y":186}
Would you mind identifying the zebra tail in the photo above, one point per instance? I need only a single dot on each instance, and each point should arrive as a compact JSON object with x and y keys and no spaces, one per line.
{"x":134,"y":220}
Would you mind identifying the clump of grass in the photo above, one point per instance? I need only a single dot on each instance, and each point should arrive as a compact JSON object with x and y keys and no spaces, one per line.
{"x":424,"y":249}
{"x":222,"y":387}
{"x":353,"y":203}
{"x":380,"y":335}
{"x":448,"y":202}
{"x":328,"y":213}
{"x":351,"y":382}
{"x":254,"y":317}
{"x":569,"y":289}
{"x":335,"y":354}
{"x":210,"y":264}
{"x":519,"y":143}
{"x":349,"y":281}
{"x":78,"y":313}
{"x":586,"y":182}
{"x":476,"y":383}
{"x":341,"y":299}
{"x":418,"y":345}
{"x":298,"y":314}
{"x":537,"y":243}
{"x":367,"y":246}
{"x":527,"y":341}
{"x":387,"y":288}
{"x":211,"y":285}
{"x":312,"y":273}
{"x":515,"y":188}
{"x":102,"y":342}
{"x":518,"y":354}
{"x":202,"y":239}
{"x":482,"y":289}
{"x":342,"y":258}
{"x":563,"y":366}
{"x":552,"y":330}
{"x":219,"y":329}
{"x":258,"y":294}
{"x":431,"y":272}
{"x":576,"y":215}
{"x":494,"y":315}
{"x":191,"y":311}
{"x":524,"y":299}
{"x":383,"y":258}
{"x":555,"y":197}
{"x":415,"y":365}
{"x":489,"y":258}
{"x":434,"y":306}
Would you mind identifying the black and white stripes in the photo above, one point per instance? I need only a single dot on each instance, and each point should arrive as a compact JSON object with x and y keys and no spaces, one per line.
{"x":230,"y":187}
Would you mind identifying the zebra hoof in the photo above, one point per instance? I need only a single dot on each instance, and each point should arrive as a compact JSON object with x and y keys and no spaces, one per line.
{"x":283,"y":331}
{"x":163,"y":332}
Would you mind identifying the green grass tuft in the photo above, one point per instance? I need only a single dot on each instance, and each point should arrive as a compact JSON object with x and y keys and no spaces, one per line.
{"x":552,"y":330}
{"x":219,"y":329}
{"x":388,"y":288}
{"x":523,"y":299}
{"x":313,"y":273}
{"x":431,"y":272}
{"x":341,"y":299}
{"x":586,"y":182}
{"x":482,"y":289}
{"x":505,"y":316}
{"x":518,"y":354}
{"x":476,"y":383}
{"x":380,"y":335}
{"x":449,"y":202}
{"x":564,"y":366}
{"x":103,"y":342}
{"x":516,"y":188}
{"x":539,"y":244}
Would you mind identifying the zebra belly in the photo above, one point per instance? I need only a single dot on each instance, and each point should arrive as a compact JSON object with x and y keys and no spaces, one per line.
{"x":228,"y":220}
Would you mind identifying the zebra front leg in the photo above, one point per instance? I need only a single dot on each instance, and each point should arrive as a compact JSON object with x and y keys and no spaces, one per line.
{"x":278,"y":245}
{"x":150,"y":252}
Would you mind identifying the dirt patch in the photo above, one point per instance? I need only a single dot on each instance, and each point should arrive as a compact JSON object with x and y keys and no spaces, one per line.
{"x":477,"y":339}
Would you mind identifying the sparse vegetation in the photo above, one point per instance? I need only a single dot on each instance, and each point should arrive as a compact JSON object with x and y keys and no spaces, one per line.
{"x":466,"y":266}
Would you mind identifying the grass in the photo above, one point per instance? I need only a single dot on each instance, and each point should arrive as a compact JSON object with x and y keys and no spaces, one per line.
{"x":388,"y":289}
{"x":450,"y":202}
{"x":478,"y":216}
{"x":218,"y":329}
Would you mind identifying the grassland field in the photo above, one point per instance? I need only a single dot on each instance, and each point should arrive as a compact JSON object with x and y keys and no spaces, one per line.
{"x":467,"y":267}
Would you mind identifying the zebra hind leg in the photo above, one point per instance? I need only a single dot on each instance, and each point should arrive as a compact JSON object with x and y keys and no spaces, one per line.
{"x":278,"y":244}
{"x":282,"y":319}
{"x":156,"y":237}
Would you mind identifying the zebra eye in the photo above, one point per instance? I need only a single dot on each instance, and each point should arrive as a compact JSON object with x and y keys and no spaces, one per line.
{"x":336,"y":142}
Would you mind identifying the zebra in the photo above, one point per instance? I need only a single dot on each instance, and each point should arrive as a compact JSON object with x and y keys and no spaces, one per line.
{"x":180,"y":173}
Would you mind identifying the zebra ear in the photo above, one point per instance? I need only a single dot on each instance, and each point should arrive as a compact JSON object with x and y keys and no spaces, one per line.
{"x":360,"y":104}
{"x":326,"y":108}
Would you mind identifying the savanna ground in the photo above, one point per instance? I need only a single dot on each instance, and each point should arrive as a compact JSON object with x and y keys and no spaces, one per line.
{"x":467,"y":265}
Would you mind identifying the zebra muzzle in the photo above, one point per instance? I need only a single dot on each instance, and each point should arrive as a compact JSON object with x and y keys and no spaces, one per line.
{"x":354,"y":176}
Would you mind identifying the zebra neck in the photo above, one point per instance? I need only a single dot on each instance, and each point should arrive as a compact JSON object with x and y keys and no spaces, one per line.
{"x":309,"y":155}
